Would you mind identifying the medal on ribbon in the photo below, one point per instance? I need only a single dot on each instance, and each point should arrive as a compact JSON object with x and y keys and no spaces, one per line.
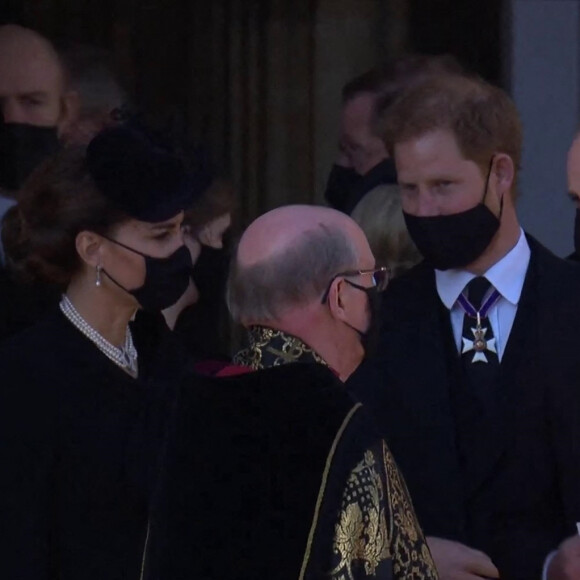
{"x":479,"y":344}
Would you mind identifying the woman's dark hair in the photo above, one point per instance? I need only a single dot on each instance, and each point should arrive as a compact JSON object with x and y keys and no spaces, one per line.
{"x":219,"y":199}
{"x":57,"y":202}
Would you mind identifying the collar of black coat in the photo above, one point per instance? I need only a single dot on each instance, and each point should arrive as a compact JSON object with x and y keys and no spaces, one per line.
{"x":272,"y":348}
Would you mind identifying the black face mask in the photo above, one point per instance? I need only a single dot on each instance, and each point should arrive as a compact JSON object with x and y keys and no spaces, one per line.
{"x":345,"y":187}
{"x":341,"y":181}
{"x":166,"y":279}
{"x":456,"y":240}
{"x":370,"y":337}
{"x":22,"y":149}
{"x":577,"y":232}
{"x":209,"y":269}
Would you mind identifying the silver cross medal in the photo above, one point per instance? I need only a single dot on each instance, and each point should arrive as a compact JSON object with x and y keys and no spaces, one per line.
{"x":479,"y":345}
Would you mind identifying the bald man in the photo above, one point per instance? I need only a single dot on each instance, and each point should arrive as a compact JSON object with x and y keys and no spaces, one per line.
{"x":573,"y":173}
{"x":271,"y":470}
{"x":35,"y":104}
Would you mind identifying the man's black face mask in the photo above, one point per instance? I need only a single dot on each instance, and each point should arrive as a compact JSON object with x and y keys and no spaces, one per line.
{"x":341,"y":181}
{"x":345,"y":187}
{"x":369,"y":338}
{"x":22,"y":149}
{"x":456,"y":240}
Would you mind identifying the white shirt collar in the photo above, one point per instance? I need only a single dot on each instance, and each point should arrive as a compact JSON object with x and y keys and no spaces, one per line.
{"x":507,"y":276}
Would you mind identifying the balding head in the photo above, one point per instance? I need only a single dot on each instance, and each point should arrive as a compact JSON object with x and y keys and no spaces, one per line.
{"x":284,"y":228}
{"x":297,"y":269}
{"x":286,"y":258}
{"x":32,"y":81}
{"x":573,"y":171}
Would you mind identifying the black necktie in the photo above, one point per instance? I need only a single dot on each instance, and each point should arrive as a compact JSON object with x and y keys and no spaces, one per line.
{"x":474,"y":393}
{"x":481,"y":366}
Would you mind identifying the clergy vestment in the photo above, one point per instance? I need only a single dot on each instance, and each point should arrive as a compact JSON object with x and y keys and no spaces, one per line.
{"x":516,"y":496}
{"x":275,"y":472}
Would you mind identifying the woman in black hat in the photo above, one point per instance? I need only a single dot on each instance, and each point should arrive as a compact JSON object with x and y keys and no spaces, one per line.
{"x":84,"y":394}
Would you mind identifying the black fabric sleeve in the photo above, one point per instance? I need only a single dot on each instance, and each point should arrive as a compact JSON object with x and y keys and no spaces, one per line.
{"x":26,"y":496}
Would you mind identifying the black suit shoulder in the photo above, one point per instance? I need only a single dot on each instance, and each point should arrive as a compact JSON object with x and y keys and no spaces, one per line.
{"x":558,"y":280}
{"x":552,"y":289}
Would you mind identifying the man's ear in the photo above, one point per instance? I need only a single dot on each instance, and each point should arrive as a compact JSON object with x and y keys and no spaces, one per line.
{"x":503,"y":173}
{"x":338,"y":299}
{"x":89,"y":248}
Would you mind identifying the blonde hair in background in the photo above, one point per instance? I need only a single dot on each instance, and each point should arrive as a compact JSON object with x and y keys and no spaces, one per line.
{"x":380,"y":216}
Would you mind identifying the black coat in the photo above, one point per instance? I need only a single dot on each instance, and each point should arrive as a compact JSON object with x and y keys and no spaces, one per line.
{"x":23,"y":304}
{"x":522,"y":494}
{"x":78,"y":444}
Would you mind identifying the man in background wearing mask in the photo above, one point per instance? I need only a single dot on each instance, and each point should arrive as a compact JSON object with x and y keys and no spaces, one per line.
{"x":480,"y":398}
{"x":35,"y":108}
{"x":364,"y":162}
{"x":35,"y":104}
{"x":274,"y":471}
{"x":46,"y":99}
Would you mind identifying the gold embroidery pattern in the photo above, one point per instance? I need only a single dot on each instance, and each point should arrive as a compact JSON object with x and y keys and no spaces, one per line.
{"x":377,"y":524}
{"x":361,"y":533}
{"x":272,"y":348}
{"x":411,"y":556}
{"x":323,"y":487}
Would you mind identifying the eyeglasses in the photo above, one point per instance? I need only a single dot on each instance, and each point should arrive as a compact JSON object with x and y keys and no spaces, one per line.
{"x":380,"y":277}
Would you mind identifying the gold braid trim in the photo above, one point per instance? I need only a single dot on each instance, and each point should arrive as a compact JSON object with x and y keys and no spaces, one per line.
{"x":361,"y":534}
{"x":327,"y":466}
{"x":411,"y":557}
{"x":272,"y":348}
{"x":145,"y":546}
{"x":377,"y":534}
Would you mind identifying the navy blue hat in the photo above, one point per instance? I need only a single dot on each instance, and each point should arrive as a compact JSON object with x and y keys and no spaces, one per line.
{"x":145,"y":181}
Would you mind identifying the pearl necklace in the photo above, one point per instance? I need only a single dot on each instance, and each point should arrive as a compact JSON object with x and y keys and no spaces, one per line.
{"x":125,"y":356}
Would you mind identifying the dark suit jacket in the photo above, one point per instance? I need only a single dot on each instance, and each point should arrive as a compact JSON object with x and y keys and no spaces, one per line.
{"x":521,"y":496}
